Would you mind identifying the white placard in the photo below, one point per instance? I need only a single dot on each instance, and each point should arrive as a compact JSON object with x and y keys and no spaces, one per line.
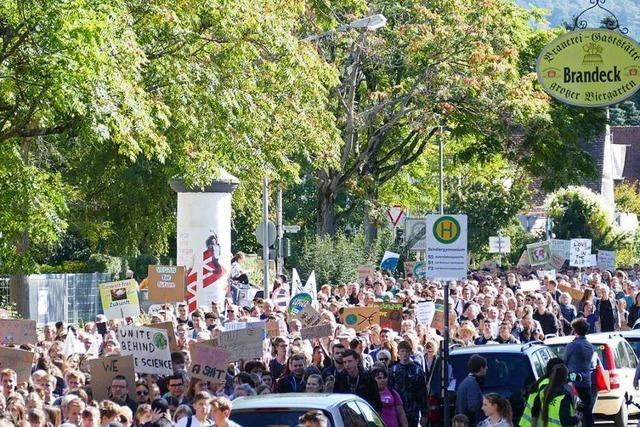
{"x":530,"y":285}
{"x":149,"y":347}
{"x":606,"y":260}
{"x":446,"y":247}
{"x":499,"y":244}
{"x":425,"y":310}
{"x":580,"y":253}
{"x":560,"y":248}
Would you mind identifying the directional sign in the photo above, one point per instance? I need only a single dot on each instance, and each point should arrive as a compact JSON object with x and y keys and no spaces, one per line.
{"x":395,"y":214}
{"x":446,"y":247}
{"x":291,"y":228}
{"x":499,"y":244}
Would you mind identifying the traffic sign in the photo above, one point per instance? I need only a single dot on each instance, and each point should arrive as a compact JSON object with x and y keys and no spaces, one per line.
{"x":499,"y":244}
{"x":395,"y":214}
{"x":271,"y":230}
{"x":446,"y":247}
{"x":291,"y":228}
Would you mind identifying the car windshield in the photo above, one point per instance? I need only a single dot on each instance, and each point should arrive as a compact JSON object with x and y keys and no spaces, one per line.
{"x":271,"y":417}
{"x":598,"y":348}
{"x":634,"y":342}
{"x":505,"y":372}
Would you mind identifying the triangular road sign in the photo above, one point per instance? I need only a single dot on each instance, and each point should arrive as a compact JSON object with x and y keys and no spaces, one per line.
{"x":395,"y":214}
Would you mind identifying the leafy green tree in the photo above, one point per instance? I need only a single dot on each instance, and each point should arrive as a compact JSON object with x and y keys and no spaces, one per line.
{"x":627,"y":198}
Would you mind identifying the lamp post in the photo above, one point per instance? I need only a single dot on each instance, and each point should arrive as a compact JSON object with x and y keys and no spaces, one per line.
{"x":368,"y":23}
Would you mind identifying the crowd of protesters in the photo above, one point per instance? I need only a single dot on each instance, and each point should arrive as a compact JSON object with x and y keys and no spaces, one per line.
{"x":395,"y":371}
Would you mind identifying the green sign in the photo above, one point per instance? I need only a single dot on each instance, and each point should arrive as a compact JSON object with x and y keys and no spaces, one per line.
{"x":590,"y":68}
{"x":446,"y":229}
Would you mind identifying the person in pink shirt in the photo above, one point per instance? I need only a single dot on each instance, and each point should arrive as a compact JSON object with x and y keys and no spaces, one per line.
{"x":392,"y":410}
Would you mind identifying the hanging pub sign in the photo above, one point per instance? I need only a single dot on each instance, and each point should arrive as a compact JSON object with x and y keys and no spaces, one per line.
{"x":590,"y":67}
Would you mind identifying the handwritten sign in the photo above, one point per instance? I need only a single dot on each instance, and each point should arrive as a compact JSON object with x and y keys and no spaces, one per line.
{"x":120,"y":299}
{"x":209,"y":363}
{"x":606,"y":260}
{"x":391,"y":315}
{"x":149,"y":347}
{"x":18,"y":360}
{"x":425,"y":310}
{"x":580,"y":253}
{"x":18,"y":332}
{"x":360,"y":318}
{"x":166,"y":283}
{"x":561,"y":248}
{"x":171,"y":334}
{"x":103,"y":370}
{"x":530,"y":285}
{"x":243,"y":344}
{"x":309,"y":316}
{"x":276,"y":328}
{"x":234,"y":326}
{"x":318,"y":331}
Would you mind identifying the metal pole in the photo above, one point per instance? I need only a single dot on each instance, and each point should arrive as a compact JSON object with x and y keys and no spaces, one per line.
{"x":265,"y":236}
{"x":445,"y":355}
{"x":280,"y":253}
{"x":441,"y":186}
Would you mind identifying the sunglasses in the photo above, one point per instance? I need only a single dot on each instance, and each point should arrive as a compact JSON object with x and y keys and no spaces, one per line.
{"x":142,"y":393}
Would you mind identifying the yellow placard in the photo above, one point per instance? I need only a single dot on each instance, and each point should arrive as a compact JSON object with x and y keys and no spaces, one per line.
{"x":590,"y":68}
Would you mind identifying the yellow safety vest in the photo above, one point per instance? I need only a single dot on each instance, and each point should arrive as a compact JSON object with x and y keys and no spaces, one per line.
{"x":526,"y":420}
{"x":554,"y":411}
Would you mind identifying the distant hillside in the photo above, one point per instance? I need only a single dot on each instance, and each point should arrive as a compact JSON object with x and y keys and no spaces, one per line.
{"x":627,"y":12}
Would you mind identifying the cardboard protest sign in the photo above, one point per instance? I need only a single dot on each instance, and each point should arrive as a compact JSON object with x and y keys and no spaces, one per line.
{"x":557,"y":261}
{"x":103,"y":370}
{"x":309,"y":316}
{"x":576,"y":294}
{"x":149,"y":347}
{"x":276,"y":328}
{"x":18,"y":332}
{"x":391,"y":315}
{"x":18,"y":360}
{"x":606,"y":260}
{"x":245,"y":344}
{"x":438,"y":316}
{"x":538,"y":253}
{"x":523,"y":261}
{"x":166,"y":283}
{"x":530,"y":285}
{"x":580,"y":253}
{"x":234,"y":326}
{"x":209,"y":363}
{"x":561,"y":248}
{"x":120,"y":299}
{"x":360,"y":318}
{"x":425,"y":310}
{"x":171,"y":334}
{"x":318,"y":331}
{"x":365,"y":271}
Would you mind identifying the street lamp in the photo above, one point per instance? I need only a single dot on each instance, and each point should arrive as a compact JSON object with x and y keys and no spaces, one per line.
{"x":368,"y":23}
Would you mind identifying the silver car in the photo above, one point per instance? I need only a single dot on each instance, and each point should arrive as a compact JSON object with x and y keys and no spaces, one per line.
{"x":279,"y":410}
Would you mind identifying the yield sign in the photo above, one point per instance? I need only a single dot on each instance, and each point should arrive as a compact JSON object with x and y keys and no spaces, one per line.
{"x":395,"y":214}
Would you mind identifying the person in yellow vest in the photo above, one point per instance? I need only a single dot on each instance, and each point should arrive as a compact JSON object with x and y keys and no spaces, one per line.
{"x":558,"y":406}
{"x":531,"y":412}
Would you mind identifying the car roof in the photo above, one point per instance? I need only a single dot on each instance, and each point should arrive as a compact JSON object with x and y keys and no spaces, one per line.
{"x":600,"y":338}
{"x":628,"y":334}
{"x":498,"y":348}
{"x":294,"y":400}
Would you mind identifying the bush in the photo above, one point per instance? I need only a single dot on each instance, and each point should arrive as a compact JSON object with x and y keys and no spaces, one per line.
{"x":100,"y":263}
{"x":66,"y":267}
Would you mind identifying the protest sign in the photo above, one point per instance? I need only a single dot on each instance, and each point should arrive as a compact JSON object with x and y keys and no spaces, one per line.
{"x":280,"y":298}
{"x":417,"y":268}
{"x":365,"y":271}
{"x":580,"y":253}
{"x":390,"y":315}
{"x":166,"y":283}
{"x":530,"y":285}
{"x":18,"y":360}
{"x":593,"y":260}
{"x":209,"y":363}
{"x":389,"y":261}
{"x":168,"y":327}
{"x":296,"y":283}
{"x":256,"y":324}
{"x":425,"y":311}
{"x":309,"y":316}
{"x":360,"y":318}
{"x":576,"y":294}
{"x":538,"y":253}
{"x":557,"y":261}
{"x":523,"y":261}
{"x":17,"y":332}
{"x":561,"y":248}
{"x":606,"y":260}
{"x":149,"y":347}
{"x":120,"y":299}
{"x":103,"y":370}
{"x":318,"y":331}
{"x":551,"y":274}
{"x":438,"y":316}
{"x":4,"y":314}
{"x":299,"y":302}
{"x":276,"y":328}
{"x":245,"y":344}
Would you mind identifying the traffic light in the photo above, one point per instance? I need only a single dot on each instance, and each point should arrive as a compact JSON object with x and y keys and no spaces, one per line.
{"x":399,"y":236}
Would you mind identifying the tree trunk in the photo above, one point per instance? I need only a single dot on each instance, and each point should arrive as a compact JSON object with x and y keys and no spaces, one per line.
{"x":326,"y":214}
{"x":19,"y":292}
{"x":370,"y":229}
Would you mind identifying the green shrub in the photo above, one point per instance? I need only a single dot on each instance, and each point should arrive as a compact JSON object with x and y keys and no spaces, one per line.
{"x":66,"y":267}
{"x":100,"y":263}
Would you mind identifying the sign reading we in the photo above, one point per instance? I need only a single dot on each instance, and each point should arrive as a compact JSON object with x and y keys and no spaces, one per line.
{"x":105,"y":369}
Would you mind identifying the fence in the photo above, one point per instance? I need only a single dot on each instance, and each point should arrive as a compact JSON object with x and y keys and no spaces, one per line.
{"x":72,"y":298}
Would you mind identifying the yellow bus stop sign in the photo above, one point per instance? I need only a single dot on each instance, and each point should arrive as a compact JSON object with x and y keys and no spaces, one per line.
{"x":446,"y":229}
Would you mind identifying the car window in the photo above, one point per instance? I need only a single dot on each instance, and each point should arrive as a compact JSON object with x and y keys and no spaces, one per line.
{"x":351,"y":415}
{"x":373,"y":420}
{"x":597,"y":348}
{"x":631,"y":355}
{"x":620,"y":356}
{"x":635,"y":345}
{"x":537,"y":363}
{"x":506,"y":371}
{"x":271,"y":417}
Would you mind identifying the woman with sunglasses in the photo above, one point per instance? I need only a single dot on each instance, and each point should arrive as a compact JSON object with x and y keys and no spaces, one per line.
{"x":142,"y":393}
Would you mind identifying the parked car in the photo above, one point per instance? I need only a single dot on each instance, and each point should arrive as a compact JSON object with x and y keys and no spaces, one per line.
{"x":342,"y":410}
{"x":619,"y":363}
{"x":512,"y":368}
{"x":633,"y":338}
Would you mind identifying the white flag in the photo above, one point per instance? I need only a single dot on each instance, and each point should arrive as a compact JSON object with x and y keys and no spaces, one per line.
{"x":312,"y":289}
{"x":296,"y":283}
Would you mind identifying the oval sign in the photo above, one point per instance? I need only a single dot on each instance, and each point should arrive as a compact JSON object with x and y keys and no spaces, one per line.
{"x":590,"y":68}
{"x":299,"y":302}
